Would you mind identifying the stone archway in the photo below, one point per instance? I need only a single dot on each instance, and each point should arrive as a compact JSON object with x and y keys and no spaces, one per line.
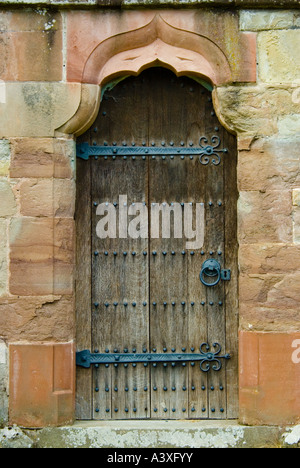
{"x":165,"y":39}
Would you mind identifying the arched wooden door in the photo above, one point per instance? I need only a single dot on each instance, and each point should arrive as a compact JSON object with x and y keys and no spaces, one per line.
{"x":157,"y":311}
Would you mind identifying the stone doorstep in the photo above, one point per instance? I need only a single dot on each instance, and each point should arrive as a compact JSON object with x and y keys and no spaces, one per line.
{"x":152,"y":434}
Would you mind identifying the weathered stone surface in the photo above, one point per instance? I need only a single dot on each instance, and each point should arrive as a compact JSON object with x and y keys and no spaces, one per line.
{"x":3,"y":384}
{"x":41,"y":256}
{"x":46,"y":197}
{"x":269,"y":164}
{"x":3,"y":257}
{"x":255,"y":110}
{"x":42,"y":157}
{"x":269,"y":291}
{"x":42,"y":384}
{"x":269,"y":378}
{"x":4,"y":157}
{"x":36,"y":109}
{"x":265,"y":217}
{"x":208,"y":33}
{"x":37,"y":318}
{"x":289,"y":126}
{"x":260,"y":20}
{"x":158,"y":434}
{"x":296,"y":197}
{"x":31,"y":45}
{"x":8,"y":202}
{"x":13,"y":437}
{"x":154,"y":3}
{"x":277,"y":60}
{"x":296,"y":225}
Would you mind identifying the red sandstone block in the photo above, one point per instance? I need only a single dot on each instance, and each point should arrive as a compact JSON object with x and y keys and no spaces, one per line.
{"x":269,"y":378}
{"x":42,"y":384}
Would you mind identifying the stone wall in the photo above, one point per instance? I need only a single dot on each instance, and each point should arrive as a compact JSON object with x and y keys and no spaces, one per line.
{"x":48,"y":96}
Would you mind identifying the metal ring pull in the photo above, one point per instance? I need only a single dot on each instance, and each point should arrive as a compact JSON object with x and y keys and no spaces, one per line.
{"x":211,"y":268}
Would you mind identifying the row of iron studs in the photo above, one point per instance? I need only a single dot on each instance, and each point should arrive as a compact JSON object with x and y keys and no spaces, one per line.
{"x":116,"y":410}
{"x":164,"y":303}
{"x":154,"y":253}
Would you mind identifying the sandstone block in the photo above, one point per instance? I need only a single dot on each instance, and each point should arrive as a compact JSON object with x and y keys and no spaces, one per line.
{"x":47,"y":197}
{"x":35,"y":319}
{"x":278,"y":62}
{"x":42,"y":157}
{"x":31,"y":46}
{"x":41,"y":256}
{"x":3,"y":257}
{"x":265,"y":217}
{"x":128,"y":30}
{"x":8,"y":202}
{"x":269,"y":258}
{"x":37,"y":109}
{"x":232,"y":105}
{"x":261,"y":20}
{"x":269,"y":164}
{"x":264,"y":399}
{"x":279,"y":291}
{"x":3,"y":383}
{"x":42,"y":384}
{"x":289,"y":126}
{"x":296,"y":197}
{"x":4,"y":157}
{"x":296,"y":225}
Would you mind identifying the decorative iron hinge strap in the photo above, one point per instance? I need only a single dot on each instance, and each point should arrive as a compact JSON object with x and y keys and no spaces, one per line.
{"x":207,"y":152}
{"x":207,"y":359}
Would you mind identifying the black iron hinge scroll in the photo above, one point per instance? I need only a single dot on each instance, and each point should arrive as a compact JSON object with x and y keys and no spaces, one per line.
{"x":208,"y":359}
{"x":207,"y":153}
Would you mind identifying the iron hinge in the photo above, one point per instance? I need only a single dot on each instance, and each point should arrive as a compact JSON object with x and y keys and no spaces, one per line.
{"x":208,"y":359}
{"x":208,"y":153}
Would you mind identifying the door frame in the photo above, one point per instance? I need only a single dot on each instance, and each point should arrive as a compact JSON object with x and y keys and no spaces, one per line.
{"x":86,"y":284}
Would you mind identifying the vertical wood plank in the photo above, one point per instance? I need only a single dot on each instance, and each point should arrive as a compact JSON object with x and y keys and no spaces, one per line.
{"x":83,"y":286}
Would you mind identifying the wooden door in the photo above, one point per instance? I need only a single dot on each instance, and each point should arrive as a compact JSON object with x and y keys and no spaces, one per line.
{"x":139,"y":290}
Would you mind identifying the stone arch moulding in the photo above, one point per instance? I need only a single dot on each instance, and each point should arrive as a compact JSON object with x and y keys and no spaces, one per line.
{"x":158,"y":43}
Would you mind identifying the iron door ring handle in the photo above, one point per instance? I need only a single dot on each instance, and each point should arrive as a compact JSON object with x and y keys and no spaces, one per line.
{"x":210,"y":268}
